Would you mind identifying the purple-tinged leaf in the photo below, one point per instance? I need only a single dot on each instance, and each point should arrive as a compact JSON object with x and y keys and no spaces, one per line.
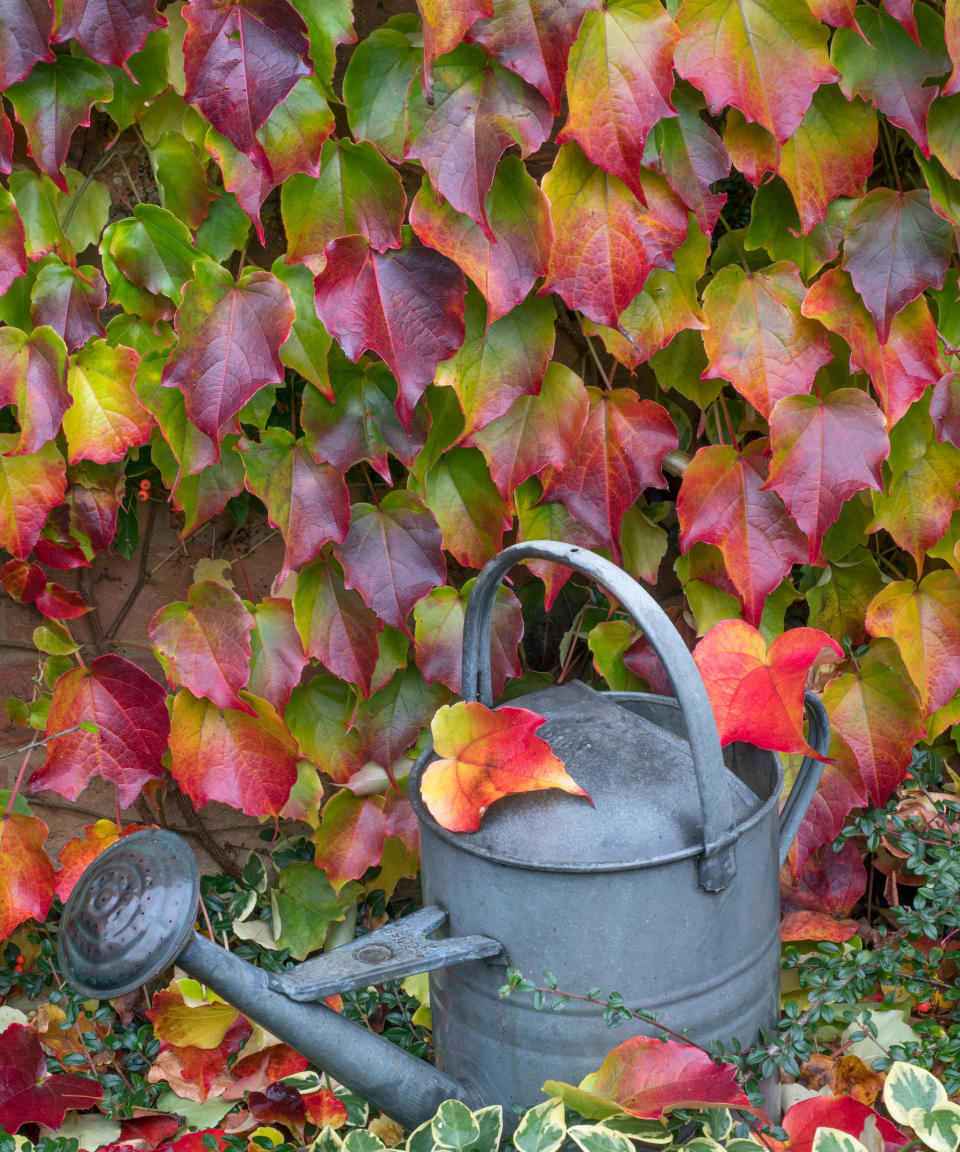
{"x":692,"y":157}
{"x":405,"y":305}
{"x":25,"y":28}
{"x":393,"y":556}
{"x":13,"y":252}
{"x":533,"y":38}
{"x":69,"y":300}
{"x":110,"y":31}
{"x":240,"y":61}
{"x":445,"y":22}
{"x":479,"y":110}
{"x":229,"y":342}
{"x":308,"y":502}
{"x":391,"y":721}
{"x":894,"y":247}
{"x":470,"y":511}
{"x":335,"y":625}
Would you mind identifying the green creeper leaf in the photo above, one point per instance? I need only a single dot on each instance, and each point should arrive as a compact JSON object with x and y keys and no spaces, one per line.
{"x":295,"y":130}
{"x":306,"y":348}
{"x":438,"y":636}
{"x":536,"y":432}
{"x":33,"y":377}
{"x":756,"y":336}
{"x":132,"y":332}
{"x":735,"y":55}
{"x":917,"y":506}
{"x":478,"y":111}
{"x":775,"y":226}
{"x":52,"y":637}
{"x":924,"y":622}
{"x":277,"y":659}
{"x":85,"y":210}
{"x":246,"y":761}
{"x":470,"y":511}
{"x":376,"y":81}
{"x":608,"y":641}
{"x":308,"y":502}
{"x":133,"y":300}
{"x":393,"y":718}
{"x":37,"y":199}
{"x":444,"y":26}
{"x":319,"y":715}
{"x":69,"y":300}
{"x":106,"y":418}
{"x":619,"y":80}
{"x":154,"y":251}
{"x":549,"y":521}
{"x":182,"y":179}
{"x":335,"y":625}
{"x":225,"y":229}
{"x":192,"y":449}
{"x":205,"y":494}
{"x":505,"y":268}
{"x":499,"y":362}
{"x":357,"y":193}
{"x":838,"y":601}
{"x":229,"y":337}
{"x":329,"y":24}
{"x":542,"y":1128}
{"x":55,"y":99}
{"x":360,"y":422}
{"x":140,"y":80}
{"x":830,"y":154}
{"x":594,"y":216}
{"x":889,"y":69}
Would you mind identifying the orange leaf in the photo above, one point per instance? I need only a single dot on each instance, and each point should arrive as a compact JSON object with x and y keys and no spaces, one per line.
{"x":756,"y":693}
{"x":324,"y":1108}
{"x":486,"y":755}
{"x":76,"y":854}
{"x":26,"y":875}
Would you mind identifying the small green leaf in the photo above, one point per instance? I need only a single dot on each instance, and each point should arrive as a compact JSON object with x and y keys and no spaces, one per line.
{"x":454,"y":1126}
{"x":833,"y":1140}
{"x":908,"y":1088}
{"x":594,"y":1138}
{"x":54,"y":639}
{"x":542,"y":1129}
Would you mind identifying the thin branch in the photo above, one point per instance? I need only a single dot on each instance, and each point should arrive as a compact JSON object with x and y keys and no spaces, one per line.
{"x":143,"y":574}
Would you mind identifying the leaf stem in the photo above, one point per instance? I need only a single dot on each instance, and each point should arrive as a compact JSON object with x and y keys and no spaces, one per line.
{"x":596,"y":360}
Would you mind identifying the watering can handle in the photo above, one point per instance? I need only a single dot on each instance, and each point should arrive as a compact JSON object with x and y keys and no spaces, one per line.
{"x":718,"y":864}
{"x":808,"y":777}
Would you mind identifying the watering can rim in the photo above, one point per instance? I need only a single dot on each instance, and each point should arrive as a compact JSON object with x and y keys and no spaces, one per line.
{"x":463,"y":842}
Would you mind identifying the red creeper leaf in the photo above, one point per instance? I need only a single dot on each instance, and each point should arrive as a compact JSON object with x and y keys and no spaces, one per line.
{"x":484,"y":756}
{"x":13,"y":252}
{"x":69,"y":301}
{"x":618,"y":455}
{"x":405,"y":305}
{"x":129,"y":709}
{"x":619,"y":80}
{"x":27,"y":1094}
{"x":817,"y":904}
{"x":26,"y":880}
{"x":110,"y":31}
{"x":33,"y":377}
{"x":734,"y":54}
{"x":277,"y":658}
{"x":204,"y":643}
{"x":245,"y":759}
{"x":723,"y":501}
{"x":350,"y":838}
{"x":25,"y":28}
{"x":756,"y":694}
{"x":30,"y":486}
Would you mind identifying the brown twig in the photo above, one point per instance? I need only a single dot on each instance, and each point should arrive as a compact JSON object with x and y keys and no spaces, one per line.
{"x":142,"y":574}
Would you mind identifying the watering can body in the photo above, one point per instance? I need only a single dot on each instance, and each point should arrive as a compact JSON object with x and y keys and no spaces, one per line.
{"x":665,"y":890}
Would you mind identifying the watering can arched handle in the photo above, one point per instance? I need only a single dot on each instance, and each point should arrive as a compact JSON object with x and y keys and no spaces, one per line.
{"x":717,"y":864}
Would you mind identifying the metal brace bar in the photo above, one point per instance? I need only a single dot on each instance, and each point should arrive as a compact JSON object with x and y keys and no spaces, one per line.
{"x":389,"y":953}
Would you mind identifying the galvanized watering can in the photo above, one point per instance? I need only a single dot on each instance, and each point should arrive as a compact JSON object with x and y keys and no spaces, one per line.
{"x":666,"y":890}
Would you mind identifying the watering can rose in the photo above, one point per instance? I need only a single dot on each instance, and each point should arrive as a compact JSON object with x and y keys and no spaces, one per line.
{"x":484,"y":755}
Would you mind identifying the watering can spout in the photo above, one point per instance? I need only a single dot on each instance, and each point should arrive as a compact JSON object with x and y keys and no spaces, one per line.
{"x":131,"y":915}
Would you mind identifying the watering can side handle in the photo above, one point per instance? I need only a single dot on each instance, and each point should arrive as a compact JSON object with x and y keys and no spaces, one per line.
{"x":805,"y":785}
{"x":718,"y":863}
